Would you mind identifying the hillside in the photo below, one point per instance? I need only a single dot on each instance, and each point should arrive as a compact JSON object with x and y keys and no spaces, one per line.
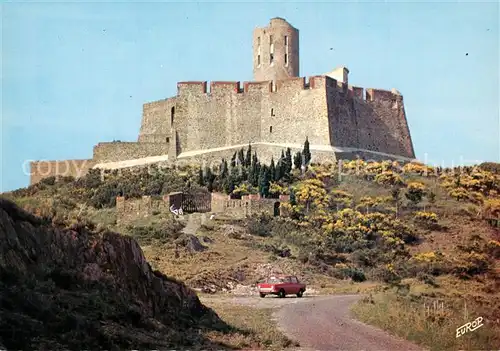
{"x":413,"y":235}
{"x":72,"y":287}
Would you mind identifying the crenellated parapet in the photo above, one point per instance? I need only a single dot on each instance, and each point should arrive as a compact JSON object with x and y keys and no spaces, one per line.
{"x":236,"y":87}
{"x":383,"y":95}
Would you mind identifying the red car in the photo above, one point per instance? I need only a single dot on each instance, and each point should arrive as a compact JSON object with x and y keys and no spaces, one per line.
{"x":282,"y":286}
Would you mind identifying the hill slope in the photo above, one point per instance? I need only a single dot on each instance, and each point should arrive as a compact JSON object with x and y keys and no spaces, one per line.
{"x":75,"y":288}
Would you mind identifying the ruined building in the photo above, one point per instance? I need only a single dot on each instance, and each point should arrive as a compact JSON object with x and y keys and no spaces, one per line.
{"x":279,"y":109}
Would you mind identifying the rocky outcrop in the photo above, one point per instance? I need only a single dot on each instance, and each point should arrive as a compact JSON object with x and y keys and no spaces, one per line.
{"x":71,"y":287}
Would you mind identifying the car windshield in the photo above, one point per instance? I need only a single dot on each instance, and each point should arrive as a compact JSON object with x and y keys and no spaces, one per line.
{"x":274,"y":280}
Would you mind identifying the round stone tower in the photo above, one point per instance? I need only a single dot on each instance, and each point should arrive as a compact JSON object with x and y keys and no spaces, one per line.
{"x":275,"y":51}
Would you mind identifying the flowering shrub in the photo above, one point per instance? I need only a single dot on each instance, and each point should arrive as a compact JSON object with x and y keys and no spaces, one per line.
{"x":245,"y":189}
{"x":426,"y":217}
{"x":418,"y":168}
{"x":389,"y":178}
{"x":415,"y":191}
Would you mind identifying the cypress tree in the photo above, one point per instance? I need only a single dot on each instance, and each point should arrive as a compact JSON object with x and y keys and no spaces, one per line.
{"x":278,"y":175}
{"x":248,"y":159}
{"x":224,"y":169}
{"x":293,"y":201}
{"x":209,"y":179}
{"x":288,"y":161}
{"x":297,"y":160}
{"x":201,"y":178}
{"x":264,"y":181}
{"x":272,"y":170}
{"x":306,"y":153}
{"x":233,"y":160}
{"x":241,"y":157}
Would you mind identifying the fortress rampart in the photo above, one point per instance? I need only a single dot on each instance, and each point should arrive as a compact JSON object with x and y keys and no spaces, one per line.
{"x":120,"y":151}
{"x":45,"y":169}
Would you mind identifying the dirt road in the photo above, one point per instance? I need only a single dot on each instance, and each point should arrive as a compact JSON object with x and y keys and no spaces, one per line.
{"x":325,"y":323}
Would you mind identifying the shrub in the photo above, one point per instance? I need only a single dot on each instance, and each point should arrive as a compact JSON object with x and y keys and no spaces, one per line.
{"x":415,"y":191}
{"x":164,"y":232}
{"x":493,"y":249}
{"x":260,"y":225}
{"x":389,"y":178}
{"x":470,"y":264}
{"x":386,"y":274}
{"x":491,"y":209}
{"x":428,"y":219}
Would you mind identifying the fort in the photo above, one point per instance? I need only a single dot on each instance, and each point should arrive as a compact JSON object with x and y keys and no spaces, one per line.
{"x":205,"y":122}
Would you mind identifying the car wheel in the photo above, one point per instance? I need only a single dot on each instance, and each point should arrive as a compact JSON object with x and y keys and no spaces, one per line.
{"x":300,"y":293}
{"x":281,"y":293}
{"x":262,"y":295}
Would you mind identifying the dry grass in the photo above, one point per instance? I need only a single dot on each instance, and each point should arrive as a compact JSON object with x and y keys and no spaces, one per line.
{"x":434,"y":326}
{"x":253,"y":328}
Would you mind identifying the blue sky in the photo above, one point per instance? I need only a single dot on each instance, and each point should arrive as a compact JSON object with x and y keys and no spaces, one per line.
{"x":74,"y":74}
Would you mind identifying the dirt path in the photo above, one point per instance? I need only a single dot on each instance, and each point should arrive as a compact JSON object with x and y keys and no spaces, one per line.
{"x":325,"y":323}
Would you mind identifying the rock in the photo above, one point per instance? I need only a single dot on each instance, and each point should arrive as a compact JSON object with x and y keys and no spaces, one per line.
{"x":103,"y":279}
{"x":190,"y":242}
{"x":207,"y":240}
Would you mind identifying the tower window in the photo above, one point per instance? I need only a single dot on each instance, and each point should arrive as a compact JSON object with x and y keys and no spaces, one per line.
{"x":272,"y":112}
{"x":168,"y":140}
{"x":172,"y":113}
{"x":258,"y":41}
{"x":286,"y":40}
{"x":258,"y":60}
{"x":271,"y":58}
{"x":286,"y":59}
{"x":270,"y":129}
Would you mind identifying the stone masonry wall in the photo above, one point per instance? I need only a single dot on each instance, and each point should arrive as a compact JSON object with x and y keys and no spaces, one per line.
{"x":229,"y":115}
{"x":377,"y":123}
{"x":248,"y":205}
{"x":156,"y":121}
{"x":44,"y":169}
{"x":133,"y":209}
{"x":120,"y":151}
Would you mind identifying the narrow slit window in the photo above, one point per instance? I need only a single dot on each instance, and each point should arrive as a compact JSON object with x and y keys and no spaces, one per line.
{"x":271,"y":58}
{"x":270,"y":129}
{"x":258,"y":60}
{"x":258,"y":41}
{"x":168,"y":140}
{"x":286,"y":59}
{"x":286,"y":40}
{"x":272,"y":112}
{"x":172,"y":114}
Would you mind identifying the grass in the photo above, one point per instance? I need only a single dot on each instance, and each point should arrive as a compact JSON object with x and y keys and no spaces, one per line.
{"x":429,"y":322}
{"x":255,"y":327}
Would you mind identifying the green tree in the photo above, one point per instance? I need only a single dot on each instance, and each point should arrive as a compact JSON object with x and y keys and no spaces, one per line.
{"x":209,"y":179}
{"x":297,"y":160}
{"x":224,"y":169}
{"x":272,"y":170}
{"x":201,"y":178}
{"x":293,"y":200}
{"x":279,"y":173}
{"x":288,"y":161}
{"x":233,"y":160}
{"x":241,"y":157}
{"x":248,"y":158}
{"x":264,"y":181}
{"x":306,"y":152}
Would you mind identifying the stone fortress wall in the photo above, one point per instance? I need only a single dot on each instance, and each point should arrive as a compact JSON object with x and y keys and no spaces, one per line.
{"x":129,"y":210}
{"x":205,"y":122}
